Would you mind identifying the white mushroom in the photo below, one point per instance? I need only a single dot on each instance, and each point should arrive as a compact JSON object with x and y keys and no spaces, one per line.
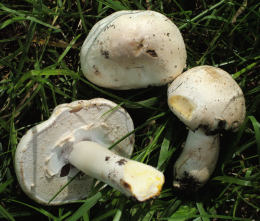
{"x":75,"y":138}
{"x":207,"y":100}
{"x":133,"y":49}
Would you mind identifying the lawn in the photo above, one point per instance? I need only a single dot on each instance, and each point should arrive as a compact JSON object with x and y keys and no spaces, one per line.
{"x":40,"y":43}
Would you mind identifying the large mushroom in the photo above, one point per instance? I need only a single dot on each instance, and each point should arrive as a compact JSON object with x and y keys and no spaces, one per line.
{"x":207,"y":100}
{"x":133,"y":49}
{"x":75,"y":138}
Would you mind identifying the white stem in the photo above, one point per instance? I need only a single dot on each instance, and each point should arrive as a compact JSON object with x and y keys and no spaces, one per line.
{"x":197,"y":160}
{"x":129,"y":177}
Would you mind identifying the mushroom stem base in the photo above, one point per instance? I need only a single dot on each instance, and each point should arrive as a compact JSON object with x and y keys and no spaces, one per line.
{"x":197,"y":160}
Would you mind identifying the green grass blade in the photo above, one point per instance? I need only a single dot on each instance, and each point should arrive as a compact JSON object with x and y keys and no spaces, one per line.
{"x":202,"y":212}
{"x":40,"y":210}
{"x":111,"y":95}
{"x":183,"y":213}
{"x":233,"y":180}
{"x":105,"y":215}
{"x":54,"y":72}
{"x":6,"y":214}
{"x":202,"y":14}
{"x":115,"y":5}
{"x":82,"y":16}
{"x":62,"y":188}
{"x":28,"y":42}
{"x":11,"y":21}
{"x":244,"y":70}
{"x":164,"y":152}
{"x":89,"y":203}
{"x":4,"y":185}
{"x":149,"y":148}
{"x":256,"y":127}
{"x":68,"y":48}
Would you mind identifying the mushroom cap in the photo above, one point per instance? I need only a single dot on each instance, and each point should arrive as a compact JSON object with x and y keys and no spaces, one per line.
{"x":207,"y":97}
{"x":41,"y":159}
{"x":133,"y":49}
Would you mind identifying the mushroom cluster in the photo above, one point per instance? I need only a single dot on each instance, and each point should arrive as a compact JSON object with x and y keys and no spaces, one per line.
{"x":128,"y":50}
{"x":134,"y":49}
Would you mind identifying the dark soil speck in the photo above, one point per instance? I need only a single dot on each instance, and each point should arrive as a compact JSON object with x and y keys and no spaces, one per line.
{"x":121,"y":162}
{"x":152,"y":53}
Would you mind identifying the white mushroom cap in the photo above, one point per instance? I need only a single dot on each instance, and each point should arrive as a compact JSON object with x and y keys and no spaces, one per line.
{"x":42,"y":154}
{"x":207,"y":97}
{"x":133,"y":49}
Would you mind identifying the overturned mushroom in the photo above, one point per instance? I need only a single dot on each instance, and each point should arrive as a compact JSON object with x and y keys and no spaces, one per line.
{"x":133,"y":49}
{"x":208,"y":101}
{"x":75,"y":138}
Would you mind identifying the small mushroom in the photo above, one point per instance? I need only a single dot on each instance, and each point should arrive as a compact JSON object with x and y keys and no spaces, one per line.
{"x":133,"y":49}
{"x":75,"y":138}
{"x":207,"y":100}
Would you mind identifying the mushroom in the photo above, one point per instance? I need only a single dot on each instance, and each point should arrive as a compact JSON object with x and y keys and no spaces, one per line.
{"x":75,"y":138}
{"x":207,"y":100}
{"x":133,"y":49}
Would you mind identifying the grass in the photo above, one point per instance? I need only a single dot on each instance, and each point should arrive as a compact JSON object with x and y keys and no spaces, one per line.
{"x":39,"y":63}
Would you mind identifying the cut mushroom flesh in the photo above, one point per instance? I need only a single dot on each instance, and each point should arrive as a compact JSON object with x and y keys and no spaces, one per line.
{"x":133,"y":49}
{"x":207,"y":100}
{"x":130,"y":177}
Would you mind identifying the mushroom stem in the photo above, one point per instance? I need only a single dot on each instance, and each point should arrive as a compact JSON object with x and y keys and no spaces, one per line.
{"x":197,"y":161}
{"x":128,"y":176}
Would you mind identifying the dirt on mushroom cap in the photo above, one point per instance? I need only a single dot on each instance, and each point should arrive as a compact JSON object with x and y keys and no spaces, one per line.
{"x":213,"y":99}
{"x":133,"y":49}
